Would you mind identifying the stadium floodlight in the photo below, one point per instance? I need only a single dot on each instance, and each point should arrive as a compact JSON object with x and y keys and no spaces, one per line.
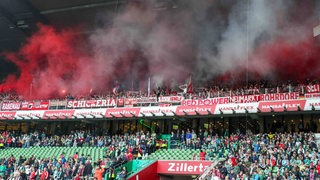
{"x":185,"y":113}
{"x":209,"y":112}
{"x":285,"y":108}
{"x":313,"y":108}
{"x":221,"y":112}
{"x":271,"y":109}
{"x":164,"y":114}
{"x":152,"y":114}
{"x":143,"y":115}
{"x":197,"y":112}
{"x":112,"y":115}
{"x":122,"y":115}
{"x":133,"y":115}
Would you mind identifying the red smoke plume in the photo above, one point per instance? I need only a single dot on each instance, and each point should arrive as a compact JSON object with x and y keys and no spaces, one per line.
{"x":284,"y":60}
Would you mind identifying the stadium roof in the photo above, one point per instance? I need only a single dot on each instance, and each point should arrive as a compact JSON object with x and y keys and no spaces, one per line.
{"x":18,"y":18}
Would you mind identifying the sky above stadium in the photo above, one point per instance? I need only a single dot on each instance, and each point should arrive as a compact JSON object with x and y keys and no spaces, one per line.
{"x":266,"y":39}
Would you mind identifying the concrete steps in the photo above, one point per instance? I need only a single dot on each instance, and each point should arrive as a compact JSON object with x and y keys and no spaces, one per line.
{"x":317,"y":138}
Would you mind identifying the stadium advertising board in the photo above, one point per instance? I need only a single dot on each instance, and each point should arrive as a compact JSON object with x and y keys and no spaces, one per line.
{"x":92,"y":103}
{"x":312,"y":103}
{"x":122,"y":112}
{"x":195,"y":110}
{"x":280,"y":106}
{"x":205,"y":102}
{"x":182,"y":167}
{"x":58,"y":114}
{"x":90,"y":113}
{"x":315,"y":88}
{"x":236,"y":108}
{"x":37,"y":114}
{"x":10,"y":106}
{"x":158,"y":111}
{"x":4,"y":115}
{"x":34,"y":106}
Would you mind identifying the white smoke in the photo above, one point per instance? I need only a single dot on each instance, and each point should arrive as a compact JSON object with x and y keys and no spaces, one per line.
{"x":202,"y":38}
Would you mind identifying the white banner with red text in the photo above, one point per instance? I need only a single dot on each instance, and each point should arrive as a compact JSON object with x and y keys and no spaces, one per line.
{"x":92,"y":103}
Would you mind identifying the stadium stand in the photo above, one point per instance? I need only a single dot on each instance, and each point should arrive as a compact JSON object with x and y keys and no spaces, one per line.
{"x":239,"y":153}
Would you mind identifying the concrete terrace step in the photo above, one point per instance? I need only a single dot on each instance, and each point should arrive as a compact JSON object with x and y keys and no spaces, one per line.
{"x":317,"y":138}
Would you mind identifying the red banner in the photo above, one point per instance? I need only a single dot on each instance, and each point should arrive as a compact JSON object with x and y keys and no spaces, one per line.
{"x":122,"y":112}
{"x":7,"y":115}
{"x":10,"y":106}
{"x":34,"y":106}
{"x":245,"y":98}
{"x":182,"y":167}
{"x":280,"y":106}
{"x":130,"y":102}
{"x":92,"y":103}
{"x":120,"y":102}
{"x":205,"y":102}
{"x":193,"y":110}
{"x":58,"y":114}
{"x":313,"y":88}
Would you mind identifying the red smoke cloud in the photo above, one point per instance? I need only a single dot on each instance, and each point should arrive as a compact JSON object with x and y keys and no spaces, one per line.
{"x":47,"y":62}
{"x":285,"y":60}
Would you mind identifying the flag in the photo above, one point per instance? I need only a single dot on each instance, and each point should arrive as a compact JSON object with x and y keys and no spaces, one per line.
{"x":149,"y":84}
{"x":116,"y":89}
{"x":190,"y":87}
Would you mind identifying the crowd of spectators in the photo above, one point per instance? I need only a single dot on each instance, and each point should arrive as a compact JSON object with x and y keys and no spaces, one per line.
{"x":217,"y":88}
{"x":247,"y":156}
{"x":280,"y":156}
{"x":118,"y":149}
